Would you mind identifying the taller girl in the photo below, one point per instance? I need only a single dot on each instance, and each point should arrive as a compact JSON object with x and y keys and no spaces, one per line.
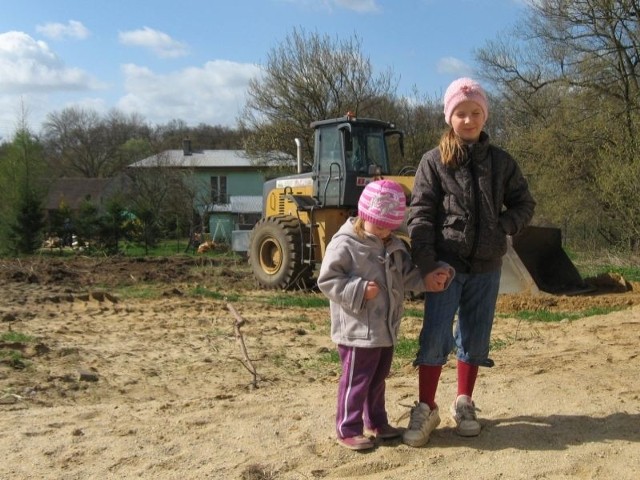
{"x":467,"y":197}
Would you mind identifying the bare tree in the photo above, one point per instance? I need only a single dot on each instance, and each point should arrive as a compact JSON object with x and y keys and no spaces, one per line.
{"x":162,"y":197}
{"x":588,"y":45}
{"x":569,"y":80}
{"x":202,"y":136}
{"x":82,"y":143}
{"x":310,"y":77}
{"x":420,"y":117}
{"x":597,"y":45}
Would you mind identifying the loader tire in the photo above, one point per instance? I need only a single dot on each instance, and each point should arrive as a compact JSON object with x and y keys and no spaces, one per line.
{"x":276,"y":253}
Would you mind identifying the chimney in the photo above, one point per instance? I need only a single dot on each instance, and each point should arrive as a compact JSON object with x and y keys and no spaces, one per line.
{"x":186,"y":146}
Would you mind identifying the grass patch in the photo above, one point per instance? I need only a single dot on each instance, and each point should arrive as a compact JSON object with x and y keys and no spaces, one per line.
{"x":591,"y":264}
{"x":139,"y":291}
{"x":12,"y":356}
{"x":324,"y":362}
{"x":406,"y":348}
{"x":15,"y":337}
{"x":549,"y":316}
{"x":497,"y":344}
{"x":330,"y":357}
{"x":414,"y":312}
{"x":164,"y":248}
{"x":301,"y":301}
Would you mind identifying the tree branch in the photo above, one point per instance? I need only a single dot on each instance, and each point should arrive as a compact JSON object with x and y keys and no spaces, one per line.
{"x":246,"y":361}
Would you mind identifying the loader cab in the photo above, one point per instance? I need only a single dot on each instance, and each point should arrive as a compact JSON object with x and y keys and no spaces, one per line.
{"x":349,"y":153}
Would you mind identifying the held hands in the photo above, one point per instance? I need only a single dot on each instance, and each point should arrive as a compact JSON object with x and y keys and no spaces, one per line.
{"x":435,"y":281}
{"x":371,"y":290}
{"x":438,"y":279}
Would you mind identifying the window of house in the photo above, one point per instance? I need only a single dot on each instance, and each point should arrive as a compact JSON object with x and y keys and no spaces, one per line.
{"x":219,"y":190}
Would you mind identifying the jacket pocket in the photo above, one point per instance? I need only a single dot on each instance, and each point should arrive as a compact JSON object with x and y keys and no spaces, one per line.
{"x":455,"y":222}
{"x":454,"y":229}
{"x":494,"y":245}
{"x":354,"y":328}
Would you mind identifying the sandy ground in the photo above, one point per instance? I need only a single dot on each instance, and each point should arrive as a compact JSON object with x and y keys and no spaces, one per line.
{"x":119,"y":382}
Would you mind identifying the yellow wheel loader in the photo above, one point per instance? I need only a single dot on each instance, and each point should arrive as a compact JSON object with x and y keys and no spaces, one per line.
{"x":301,"y":212}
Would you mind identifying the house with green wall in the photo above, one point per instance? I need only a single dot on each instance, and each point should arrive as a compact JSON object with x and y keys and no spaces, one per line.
{"x":227,"y":185}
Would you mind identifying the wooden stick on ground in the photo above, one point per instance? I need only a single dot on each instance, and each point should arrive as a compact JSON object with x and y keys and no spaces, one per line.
{"x":246,"y":361}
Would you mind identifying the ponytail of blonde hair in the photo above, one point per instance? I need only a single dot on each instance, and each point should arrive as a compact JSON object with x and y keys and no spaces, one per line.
{"x":451,"y":148}
{"x":358,"y":227}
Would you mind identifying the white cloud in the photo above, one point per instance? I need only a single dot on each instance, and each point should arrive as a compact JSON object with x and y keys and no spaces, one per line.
{"x":452,"y":65}
{"x":35,"y":107}
{"x":212,"y":94}
{"x":59,"y":31}
{"x":158,"y":42}
{"x":30,"y":73}
{"x":28,"y":66}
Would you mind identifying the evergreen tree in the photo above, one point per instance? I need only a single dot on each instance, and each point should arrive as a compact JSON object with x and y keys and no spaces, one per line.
{"x":22,"y":190}
{"x":26,"y":231}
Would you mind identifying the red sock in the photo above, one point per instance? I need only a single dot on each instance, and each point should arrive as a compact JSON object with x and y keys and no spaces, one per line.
{"x":467,"y":375}
{"x":428,"y":378}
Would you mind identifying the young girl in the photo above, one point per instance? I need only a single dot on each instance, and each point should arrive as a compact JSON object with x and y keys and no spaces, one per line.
{"x":468,"y":195}
{"x":365,"y":273}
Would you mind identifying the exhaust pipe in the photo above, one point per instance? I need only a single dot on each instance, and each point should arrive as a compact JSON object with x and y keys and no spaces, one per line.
{"x":299,"y":153}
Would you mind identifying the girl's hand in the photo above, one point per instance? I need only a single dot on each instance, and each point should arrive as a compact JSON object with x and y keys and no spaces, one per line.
{"x":437,"y":280}
{"x":371,"y":290}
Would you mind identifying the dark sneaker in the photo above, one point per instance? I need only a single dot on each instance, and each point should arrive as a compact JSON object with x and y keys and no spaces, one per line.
{"x":359,"y":442}
{"x":463,"y":412}
{"x":422,"y":422}
{"x":385,"y":432}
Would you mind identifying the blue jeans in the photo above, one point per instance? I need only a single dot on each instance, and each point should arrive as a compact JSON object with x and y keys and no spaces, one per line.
{"x":473,"y":296}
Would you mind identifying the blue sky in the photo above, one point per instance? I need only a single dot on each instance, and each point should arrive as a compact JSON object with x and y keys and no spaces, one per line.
{"x":192,"y":59}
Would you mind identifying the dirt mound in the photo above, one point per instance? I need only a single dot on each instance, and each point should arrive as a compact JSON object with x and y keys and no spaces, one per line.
{"x":608,"y":290}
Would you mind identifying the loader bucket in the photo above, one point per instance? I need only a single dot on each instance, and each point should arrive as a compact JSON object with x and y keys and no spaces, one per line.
{"x":535,"y":261}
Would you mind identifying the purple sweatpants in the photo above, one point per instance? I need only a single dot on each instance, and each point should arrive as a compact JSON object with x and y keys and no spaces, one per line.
{"x":361,"y":389}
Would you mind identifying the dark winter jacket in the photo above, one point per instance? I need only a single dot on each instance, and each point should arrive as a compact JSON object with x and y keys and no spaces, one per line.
{"x":462,"y":215}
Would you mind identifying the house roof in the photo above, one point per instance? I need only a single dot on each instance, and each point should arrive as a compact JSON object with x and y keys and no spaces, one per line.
{"x":202,"y":159}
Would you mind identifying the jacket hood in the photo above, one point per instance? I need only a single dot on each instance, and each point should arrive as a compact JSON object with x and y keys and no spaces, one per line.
{"x":347,"y":229}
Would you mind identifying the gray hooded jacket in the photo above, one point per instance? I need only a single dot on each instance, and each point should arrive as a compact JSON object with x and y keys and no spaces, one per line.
{"x":349,"y":263}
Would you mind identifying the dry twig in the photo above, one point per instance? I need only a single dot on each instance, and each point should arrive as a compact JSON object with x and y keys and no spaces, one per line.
{"x":246,"y":361}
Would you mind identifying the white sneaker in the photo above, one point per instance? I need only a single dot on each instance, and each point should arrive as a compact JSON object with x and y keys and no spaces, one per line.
{"x":422,"y":422}
{"x":463,"y":411}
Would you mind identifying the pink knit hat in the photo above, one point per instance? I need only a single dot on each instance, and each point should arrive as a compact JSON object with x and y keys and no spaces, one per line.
{"x":461,"y":90}
{"x":383,"y":203}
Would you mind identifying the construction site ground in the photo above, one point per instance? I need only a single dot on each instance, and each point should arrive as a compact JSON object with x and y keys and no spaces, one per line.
{"x":119,"y":367}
